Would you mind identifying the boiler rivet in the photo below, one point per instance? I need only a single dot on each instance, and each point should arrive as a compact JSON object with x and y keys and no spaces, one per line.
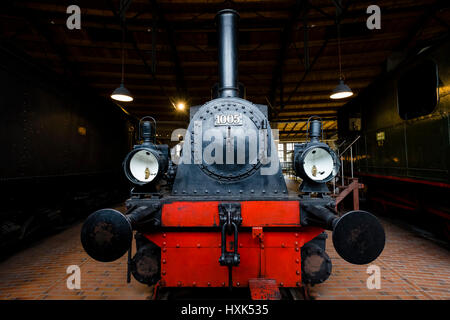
{"x":178,"y":245}
{"x":296,"y":243}
{"x":223,"y":284}
{"x":281,"y":284}
{"x":164,"y":243}
{"x":296,"y":235}
{"x":198,"y":245}
{"x":194,"y":283}
{"x":164,"y":272}
{"x":298,"y":284}
{"x":164,"y":261}
{"x":209,"y":284}
{"x":179,"y":283}
{"x":297,"y":249}
{"x":164,"y":235}
{"x":164,"y":249}
{"x":283,"y":245}
{"x":297,"y":261}
{"x":297,"y":272}
{"x":240,"y":245}
{"x":238,"y":284}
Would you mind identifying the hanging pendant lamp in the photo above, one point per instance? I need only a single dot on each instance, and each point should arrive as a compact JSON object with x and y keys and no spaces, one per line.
{"x":342,"y":90}
{"x":121,"y":93}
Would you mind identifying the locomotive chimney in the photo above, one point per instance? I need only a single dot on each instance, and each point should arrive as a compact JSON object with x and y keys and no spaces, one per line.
{"x":227,"y":21}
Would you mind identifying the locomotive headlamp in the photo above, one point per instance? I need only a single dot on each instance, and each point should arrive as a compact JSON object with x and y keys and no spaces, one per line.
{"x":318,"y":164}
{"x":142,"y":166}
{"x":146,"y":162}
{"x":315,"y":162}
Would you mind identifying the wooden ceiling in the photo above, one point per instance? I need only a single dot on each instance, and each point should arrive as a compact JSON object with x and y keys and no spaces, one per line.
{"x":171,"y":50}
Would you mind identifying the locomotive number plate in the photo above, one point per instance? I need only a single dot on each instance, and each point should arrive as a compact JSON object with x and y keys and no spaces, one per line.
{"x":228,"y":119}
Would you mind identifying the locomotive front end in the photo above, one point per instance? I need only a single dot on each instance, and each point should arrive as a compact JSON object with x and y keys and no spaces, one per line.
{"x":227,"y":218}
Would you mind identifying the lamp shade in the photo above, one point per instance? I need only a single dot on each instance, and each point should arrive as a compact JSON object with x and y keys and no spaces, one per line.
{"x":122,"y":94}
{"x":341,"y":91}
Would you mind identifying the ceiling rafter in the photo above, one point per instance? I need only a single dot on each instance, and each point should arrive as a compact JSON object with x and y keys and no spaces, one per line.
{"x":187,"y":31}
{"x":43,"y":30}
{"x":286,"y":38}
{"x":123,"y":25}
{"x":180,"y":81}
{"x":418,"y":27}
{"x":339,"y":17}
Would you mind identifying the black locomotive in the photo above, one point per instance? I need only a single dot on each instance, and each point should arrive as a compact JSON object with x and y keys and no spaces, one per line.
{"x":228,"y":219}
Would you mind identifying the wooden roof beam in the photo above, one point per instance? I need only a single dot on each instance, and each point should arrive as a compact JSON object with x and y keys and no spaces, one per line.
{"x":123,"y":25}
{"x":180,"y":81}
{"x":342,"y":13}
{"x":301,"y":6}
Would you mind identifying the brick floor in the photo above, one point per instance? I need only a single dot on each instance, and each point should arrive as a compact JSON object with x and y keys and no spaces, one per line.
{"x":39,"y":272}
{"x":411,"y":268}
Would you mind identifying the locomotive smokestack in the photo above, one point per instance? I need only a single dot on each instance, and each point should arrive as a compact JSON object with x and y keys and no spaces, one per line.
{"x":227,"y":21}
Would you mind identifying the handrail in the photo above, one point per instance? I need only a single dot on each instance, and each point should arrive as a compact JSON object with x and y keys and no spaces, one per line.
{"x":343,"y":142}
{"x":357,"y":138}
{"x":350,"y":146}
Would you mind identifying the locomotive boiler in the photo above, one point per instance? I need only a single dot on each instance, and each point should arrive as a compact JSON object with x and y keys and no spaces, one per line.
{"x":221,"y":214}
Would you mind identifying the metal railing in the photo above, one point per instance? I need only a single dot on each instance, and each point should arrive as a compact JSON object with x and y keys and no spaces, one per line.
{"x":340,"y":154}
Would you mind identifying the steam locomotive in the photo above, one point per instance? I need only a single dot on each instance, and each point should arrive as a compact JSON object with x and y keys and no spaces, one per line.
{"x":224,"y":216}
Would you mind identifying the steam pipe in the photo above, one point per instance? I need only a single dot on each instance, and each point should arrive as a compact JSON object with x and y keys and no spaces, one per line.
{"x":227,"y":21}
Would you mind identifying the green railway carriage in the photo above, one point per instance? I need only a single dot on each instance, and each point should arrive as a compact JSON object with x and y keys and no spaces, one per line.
{"x":402,"y":119}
